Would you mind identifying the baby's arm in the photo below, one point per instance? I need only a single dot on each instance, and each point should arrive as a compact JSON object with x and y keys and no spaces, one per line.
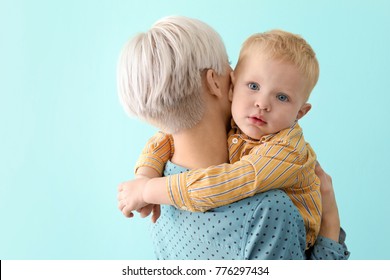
{"x":204,"y":189}
{"x":157,"y":151}
{"x":262,"y":170}
{"x":148,"y":173}
{"x":154,"y":156}
{"x":266,"y":167}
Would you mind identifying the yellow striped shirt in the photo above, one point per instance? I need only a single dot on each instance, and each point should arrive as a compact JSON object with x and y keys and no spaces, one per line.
{"x":282,"y":160}
{"x":156,"y":152}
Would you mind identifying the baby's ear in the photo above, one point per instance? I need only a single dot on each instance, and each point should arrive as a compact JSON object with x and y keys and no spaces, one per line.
{"x":304,"y":110}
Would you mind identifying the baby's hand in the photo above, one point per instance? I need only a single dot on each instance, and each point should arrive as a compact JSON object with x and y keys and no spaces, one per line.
{"x":130,"y":196}
{"x":145,"y":211}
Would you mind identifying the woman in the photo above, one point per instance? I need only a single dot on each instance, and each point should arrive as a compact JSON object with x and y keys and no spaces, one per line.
{"x":176,"y":76}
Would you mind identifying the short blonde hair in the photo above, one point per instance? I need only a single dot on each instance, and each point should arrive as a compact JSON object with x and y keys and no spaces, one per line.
{"x":286,"y":46}
{"x":159,"y":71}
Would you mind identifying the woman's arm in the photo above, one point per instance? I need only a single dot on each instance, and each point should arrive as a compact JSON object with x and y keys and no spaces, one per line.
{"x":330,"y":222}
{"x":330,"y":244}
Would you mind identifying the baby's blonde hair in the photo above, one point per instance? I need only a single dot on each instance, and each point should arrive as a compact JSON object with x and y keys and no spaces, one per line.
{"x":286,"y":46}
{"x":159,"y":72}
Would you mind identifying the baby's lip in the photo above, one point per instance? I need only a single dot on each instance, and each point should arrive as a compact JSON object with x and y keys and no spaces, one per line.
{"x":258,"y":118}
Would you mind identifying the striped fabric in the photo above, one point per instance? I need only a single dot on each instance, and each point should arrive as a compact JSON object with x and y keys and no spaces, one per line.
{"x":279,"y":161}
{"x":156,"y":152}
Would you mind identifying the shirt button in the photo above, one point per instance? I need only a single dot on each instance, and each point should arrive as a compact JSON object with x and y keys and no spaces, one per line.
{"x":235,"y":140}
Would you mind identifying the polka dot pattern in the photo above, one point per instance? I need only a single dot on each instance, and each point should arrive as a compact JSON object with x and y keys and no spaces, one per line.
{"x":327,"y":249}
{"x":265,"y":226}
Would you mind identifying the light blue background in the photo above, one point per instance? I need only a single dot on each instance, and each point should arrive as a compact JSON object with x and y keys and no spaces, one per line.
{"x":66,"y":143}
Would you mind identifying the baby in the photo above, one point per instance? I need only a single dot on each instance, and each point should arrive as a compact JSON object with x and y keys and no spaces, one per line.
{"x":272,"y":81}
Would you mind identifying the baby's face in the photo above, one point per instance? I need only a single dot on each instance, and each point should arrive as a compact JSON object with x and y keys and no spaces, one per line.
{"x":268,"y":96}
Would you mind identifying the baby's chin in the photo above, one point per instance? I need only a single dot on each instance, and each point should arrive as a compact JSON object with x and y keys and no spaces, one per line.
{"x":253,"y":133}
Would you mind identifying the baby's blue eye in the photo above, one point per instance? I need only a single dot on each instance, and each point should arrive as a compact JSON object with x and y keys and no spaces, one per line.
{"x":282,"y":97}
{"x":253,"y":86}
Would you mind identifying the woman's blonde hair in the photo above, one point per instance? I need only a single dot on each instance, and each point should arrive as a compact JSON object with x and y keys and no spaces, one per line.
{"x":159,"y":71}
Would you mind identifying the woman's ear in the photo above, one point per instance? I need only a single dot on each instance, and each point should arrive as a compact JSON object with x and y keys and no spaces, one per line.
{"x":232,"y":82}
{"x":213,"y":83}
{"x":304,"y":110}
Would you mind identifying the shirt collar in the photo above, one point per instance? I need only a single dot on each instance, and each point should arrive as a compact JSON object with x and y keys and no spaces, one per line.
{"x":265,"y":138}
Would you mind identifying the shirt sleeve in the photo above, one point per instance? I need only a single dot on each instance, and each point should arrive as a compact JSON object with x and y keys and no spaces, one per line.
{"x":157,"y":151}
{"x":266,"y":167}
{"x":328,"y":249}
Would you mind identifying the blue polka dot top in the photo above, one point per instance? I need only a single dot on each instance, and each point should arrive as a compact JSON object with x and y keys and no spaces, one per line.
{"x":265,"y":226}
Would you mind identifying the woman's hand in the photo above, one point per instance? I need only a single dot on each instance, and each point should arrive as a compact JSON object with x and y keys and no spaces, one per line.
{"x":330,"y":223}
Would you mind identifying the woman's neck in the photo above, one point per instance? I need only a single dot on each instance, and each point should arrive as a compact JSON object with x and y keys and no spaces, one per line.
{"x":201,"y":146}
